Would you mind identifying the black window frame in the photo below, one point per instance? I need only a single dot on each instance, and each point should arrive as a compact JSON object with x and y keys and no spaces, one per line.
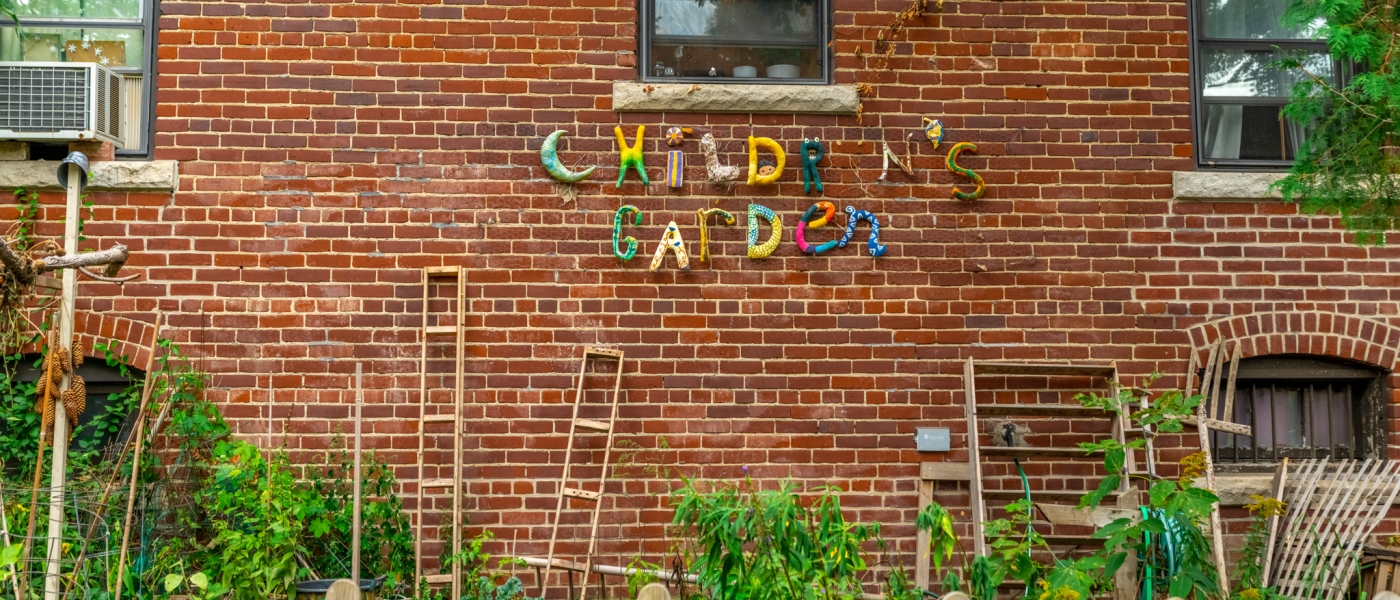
{"x":1196,"y":26}
{"x":647,"y":8}
{"x":149,"y":24}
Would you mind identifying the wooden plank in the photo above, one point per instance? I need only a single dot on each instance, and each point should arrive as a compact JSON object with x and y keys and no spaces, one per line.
{"x":1039,"y":495}
{"x":437,"y":483}
{"x":439,"y":578}
{"x":591,"y":424}
{"x":1218,"y":425}
{"x":1063,"y":411}
{"x":1280,"y":483}
{"x":440,"y":330}
{"x":48,"y":283}
{"x":439,"y":418}
{"x":945,"y":471}
{"x":442,"y":271}
{"x":1038,"y":451}
{"x":1000,"y":368}
{"x":581,"y":494}
{"x":922,"y":560}
{"x":568,"y":565}
{"x":979,"y":509}
{"x":609,"y":352}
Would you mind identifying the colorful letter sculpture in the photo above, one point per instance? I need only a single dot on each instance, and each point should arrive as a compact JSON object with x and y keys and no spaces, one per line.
{"x":953,"y":166}
{"x":755,"y":250}
{"x":631,"y":158}
{"x":812,"y":153}
{"x":549,"y":157}
{"x":703,"y":216}
{"x":810,"y":221}
{"x":876,"y":248}
{"x":891,"y":156}
{"x":675,"y":136}
{"x":675,"y":168}
{"x":933,"y":130}
{"x":671,"y":240}
{"x":772,"y":146}
{"x":617,"y":232}
{"x":716,"y":172}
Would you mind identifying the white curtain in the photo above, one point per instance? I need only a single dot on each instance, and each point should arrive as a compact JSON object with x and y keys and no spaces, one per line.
{"x":1222,"y":130}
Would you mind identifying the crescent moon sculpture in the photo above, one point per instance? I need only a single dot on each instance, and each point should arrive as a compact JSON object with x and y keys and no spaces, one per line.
{"x":549,"y":157}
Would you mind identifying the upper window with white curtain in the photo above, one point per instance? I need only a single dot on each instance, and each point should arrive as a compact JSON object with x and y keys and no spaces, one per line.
{"x":1239,"y":92}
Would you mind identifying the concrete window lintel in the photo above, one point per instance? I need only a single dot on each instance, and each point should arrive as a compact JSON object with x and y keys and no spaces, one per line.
{"x":734,"y":98}
{"x":1218,"y":185}
{"x":154,"y":175}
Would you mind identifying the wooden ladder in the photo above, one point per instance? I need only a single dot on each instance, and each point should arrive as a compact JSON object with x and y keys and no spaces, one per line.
{"x":1214,"y":414}
{"x":976,"y":452}
{"x":454,"y":418}
{"x":565,"y":492}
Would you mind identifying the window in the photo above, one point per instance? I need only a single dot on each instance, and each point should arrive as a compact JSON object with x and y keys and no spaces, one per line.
{"x":1238,"y":95}
{"x":1304,"y":407}
{"x":118,"y":34}
{"x":742,"y":41}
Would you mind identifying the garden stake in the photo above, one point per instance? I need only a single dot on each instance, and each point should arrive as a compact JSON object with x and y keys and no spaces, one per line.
{"x":136,"y":460}
{"x":39,"y":457}
{"x":355,"y":516}
{"x":5,"y":526}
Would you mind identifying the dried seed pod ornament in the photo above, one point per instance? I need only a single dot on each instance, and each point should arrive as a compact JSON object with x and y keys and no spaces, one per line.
{"x":75,"y":400}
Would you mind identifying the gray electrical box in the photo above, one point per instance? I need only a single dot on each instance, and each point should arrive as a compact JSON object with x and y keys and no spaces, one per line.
{"x":933,"y":439}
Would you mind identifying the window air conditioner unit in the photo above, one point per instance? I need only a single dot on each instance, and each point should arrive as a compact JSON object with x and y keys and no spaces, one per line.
{"x":60,"y":102}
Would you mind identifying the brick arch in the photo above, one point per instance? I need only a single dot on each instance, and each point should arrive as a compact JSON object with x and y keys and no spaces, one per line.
{"x":131,"y":336}
{"x":1368,"y":340}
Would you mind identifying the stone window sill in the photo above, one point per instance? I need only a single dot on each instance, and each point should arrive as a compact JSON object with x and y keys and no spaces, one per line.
{"x":1217,"y":185}
{"x":119,"y":175}
{"x":735,"y":98}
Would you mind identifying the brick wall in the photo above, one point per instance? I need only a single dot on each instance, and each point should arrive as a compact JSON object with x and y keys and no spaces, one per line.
{"x":329,"y":151}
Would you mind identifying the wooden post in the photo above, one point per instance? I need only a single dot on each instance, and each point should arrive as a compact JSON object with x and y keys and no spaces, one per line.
{"x":355,"y":517}
{"x":921,"y":556}
{"x":58,"y":471}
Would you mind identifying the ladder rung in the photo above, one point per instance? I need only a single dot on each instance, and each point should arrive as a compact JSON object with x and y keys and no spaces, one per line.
{"x":437,"y":483}
{"x":609,"y":352}
{"x":591,"y":424}
{"x":568,"y":565}
{"x":442,"y":271}
{"x":440,"y":329}
{"x":439,"y":418}
{"x":581,"y":494}
{"x":438,"y":578}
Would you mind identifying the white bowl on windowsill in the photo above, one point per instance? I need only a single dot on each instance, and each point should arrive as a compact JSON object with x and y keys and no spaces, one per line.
{"x":746,"y":72}
{"x":783,"y":72}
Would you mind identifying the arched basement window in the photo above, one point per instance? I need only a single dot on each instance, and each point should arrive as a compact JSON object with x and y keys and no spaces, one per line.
{"x":1305,"y":407}
{"x":102,"y":383}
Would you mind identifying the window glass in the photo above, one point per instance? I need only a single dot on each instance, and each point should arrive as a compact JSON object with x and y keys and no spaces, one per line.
{"x":114,"y":48}
{"x":1252,"y":19}
{"x":1252,"y":132}
{"x":78,"y":9}
{"x":1237,"y":72}
{"x":772,"y":39}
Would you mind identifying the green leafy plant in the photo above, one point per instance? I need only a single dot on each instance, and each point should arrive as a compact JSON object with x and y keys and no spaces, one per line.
{"x":198,"y":586}
{"x":1349,"y":161}
{"x":756,"y":544}
{"x":643,"y":573}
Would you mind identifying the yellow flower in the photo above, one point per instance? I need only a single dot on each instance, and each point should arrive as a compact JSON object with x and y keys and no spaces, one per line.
{"x":1192,"y":466}
{"x":1061,"y":593}
{"x":1251,"y":594}
{"x":1264,"y":508}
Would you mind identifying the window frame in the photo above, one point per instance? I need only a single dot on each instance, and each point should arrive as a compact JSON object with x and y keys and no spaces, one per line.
{"x":1363,"y":384}
{"x":149,"y":24}
{"x":1198,"y":42}
{"x":647,"y":8}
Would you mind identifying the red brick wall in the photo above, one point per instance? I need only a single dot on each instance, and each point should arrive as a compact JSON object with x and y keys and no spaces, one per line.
{"x":329,"y":151}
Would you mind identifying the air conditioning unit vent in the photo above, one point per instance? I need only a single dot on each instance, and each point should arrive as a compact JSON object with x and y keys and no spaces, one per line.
{"x":60,"y":102}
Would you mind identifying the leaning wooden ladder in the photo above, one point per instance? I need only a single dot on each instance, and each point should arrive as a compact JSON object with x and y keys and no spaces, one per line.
{"x":974,"y":410}
{"x":1213,"y":414}
{"x":454,"y":483}
{"x":564,"y":491}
